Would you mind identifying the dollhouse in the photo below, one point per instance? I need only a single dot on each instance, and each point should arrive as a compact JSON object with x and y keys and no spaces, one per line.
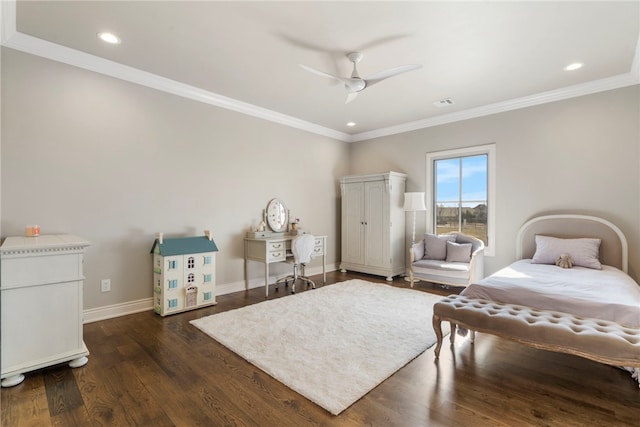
{"x":184,"y":271}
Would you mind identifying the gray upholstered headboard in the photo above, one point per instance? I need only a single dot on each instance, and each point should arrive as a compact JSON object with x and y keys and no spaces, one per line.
{"x":613,"y":249}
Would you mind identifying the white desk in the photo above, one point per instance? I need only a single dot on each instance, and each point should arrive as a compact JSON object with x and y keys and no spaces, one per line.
{"x":276,"y":249}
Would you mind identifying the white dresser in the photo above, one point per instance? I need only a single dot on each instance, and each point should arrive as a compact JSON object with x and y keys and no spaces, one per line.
{"x":373,"y":224}
{"x":41,"y":281}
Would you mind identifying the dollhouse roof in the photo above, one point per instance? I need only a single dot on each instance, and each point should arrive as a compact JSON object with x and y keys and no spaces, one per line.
{"x":184,"y":246}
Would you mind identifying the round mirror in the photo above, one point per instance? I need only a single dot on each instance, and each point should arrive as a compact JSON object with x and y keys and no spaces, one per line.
{"x":277,"y":215}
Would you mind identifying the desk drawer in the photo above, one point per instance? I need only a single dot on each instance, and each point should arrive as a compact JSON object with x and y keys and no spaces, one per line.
{"x":276,"y":246}
{"x":318,"y":248}
{"x":280,"y":255}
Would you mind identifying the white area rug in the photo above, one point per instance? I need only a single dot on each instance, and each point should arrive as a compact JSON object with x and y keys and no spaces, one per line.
{"x":332,"y":344}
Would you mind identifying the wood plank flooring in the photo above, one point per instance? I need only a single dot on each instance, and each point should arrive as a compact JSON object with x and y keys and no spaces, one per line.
{"x":145,"y":370}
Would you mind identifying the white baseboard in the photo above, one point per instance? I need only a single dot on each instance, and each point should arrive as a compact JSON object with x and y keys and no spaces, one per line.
{"x":131,"y":307}
{"x":117,"y":310}
{"x":258,"y":282}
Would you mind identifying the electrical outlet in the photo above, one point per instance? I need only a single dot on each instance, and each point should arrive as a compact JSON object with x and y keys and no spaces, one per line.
{"x":105,"y":285}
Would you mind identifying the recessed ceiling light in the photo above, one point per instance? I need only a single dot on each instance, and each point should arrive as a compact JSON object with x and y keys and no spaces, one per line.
{"x":574,"y":66}
{"x":351,"y":124}
{"x":109,"y":38}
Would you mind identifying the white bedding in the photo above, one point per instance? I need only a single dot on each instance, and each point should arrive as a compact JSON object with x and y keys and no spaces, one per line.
{"x":602,"y":294}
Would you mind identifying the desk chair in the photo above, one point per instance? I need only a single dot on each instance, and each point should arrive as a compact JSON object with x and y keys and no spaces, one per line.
{"x":301,"y":248}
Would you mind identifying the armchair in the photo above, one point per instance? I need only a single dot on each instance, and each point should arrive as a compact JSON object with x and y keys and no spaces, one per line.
{"x":453,"y":259}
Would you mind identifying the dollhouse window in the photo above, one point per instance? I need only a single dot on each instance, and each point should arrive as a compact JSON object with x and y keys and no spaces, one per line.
{"x":207,"y":278}
{"x":191,"y":278}
{"x":207,"y":295}
{"x":207,"y":260}
{"x":173,"y":303}
{"x":191,"y":262}
{"x":173,"y":283}
{"x":173,"y":264}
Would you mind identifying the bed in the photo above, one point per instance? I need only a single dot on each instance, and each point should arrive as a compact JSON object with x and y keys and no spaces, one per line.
{"x":598,"y":288}
{"x":607,"y":293}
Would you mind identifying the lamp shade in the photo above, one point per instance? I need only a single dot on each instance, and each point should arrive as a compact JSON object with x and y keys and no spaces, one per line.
{"x":414,"y":202}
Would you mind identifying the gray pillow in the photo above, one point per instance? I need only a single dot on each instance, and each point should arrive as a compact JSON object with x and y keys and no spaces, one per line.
{"x":435,"y":247}
{"x":458,"y":252}
{"x":584,"y":251}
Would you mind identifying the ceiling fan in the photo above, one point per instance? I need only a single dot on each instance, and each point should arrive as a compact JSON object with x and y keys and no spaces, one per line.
{"x":355,"y":83}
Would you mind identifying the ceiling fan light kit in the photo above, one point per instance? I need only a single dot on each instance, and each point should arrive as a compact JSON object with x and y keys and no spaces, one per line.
{"x":355,"y":83}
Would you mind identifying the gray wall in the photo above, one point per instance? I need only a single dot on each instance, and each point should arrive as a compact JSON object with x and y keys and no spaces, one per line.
{"x":114,"y":163}
{"x":579,"y":155}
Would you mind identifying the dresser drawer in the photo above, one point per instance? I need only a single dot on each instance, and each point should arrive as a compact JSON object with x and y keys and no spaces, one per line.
{"x":36,"y":270}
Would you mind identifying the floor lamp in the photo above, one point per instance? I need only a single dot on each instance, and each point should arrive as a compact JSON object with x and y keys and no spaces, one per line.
{"x":413,"y":202}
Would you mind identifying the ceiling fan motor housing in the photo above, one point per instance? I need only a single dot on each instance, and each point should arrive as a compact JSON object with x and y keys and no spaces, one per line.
{"x":355,"y":84}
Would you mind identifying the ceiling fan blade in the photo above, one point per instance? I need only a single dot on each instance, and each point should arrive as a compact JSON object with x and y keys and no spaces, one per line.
{"x":351,"y":96}
{"x":323,"y":74}
{"x":378,"y":77}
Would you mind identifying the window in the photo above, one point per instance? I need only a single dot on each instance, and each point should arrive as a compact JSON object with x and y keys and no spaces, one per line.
{"x":173,"y":283}
{"x":207,"y":260}
{"x":207,"y":278}
{"x":461,"y":192}
{"x":207,"y":295}
{"x":191,"y":262}
{"x":173,"y":264}
{"x":191,"y":278}
{"x":173,"y":303}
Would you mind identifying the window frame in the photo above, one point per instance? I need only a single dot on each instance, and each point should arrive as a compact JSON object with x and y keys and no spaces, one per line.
{"x":490,"y":151}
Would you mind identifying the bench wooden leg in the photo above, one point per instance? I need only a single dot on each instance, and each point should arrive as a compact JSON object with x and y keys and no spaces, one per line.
{"x":452,"y":336}
{"x":438,"y":329}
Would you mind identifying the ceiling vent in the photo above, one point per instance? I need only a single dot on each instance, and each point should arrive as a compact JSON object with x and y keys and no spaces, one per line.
{"x":444,"y":102}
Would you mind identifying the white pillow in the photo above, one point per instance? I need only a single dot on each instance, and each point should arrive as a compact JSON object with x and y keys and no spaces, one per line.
{"x":435,"y":247}
{"x":584,"y":251}
{"x":459,"y":252}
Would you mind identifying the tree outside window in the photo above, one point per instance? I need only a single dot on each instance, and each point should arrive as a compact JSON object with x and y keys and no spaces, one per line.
{"x":461,"y":193}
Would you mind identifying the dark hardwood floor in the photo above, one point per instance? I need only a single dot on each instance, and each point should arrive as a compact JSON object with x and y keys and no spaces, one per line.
{"x":147,"y":370}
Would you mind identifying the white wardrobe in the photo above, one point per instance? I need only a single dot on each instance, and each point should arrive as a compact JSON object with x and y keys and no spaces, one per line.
{"x":373,"y":224}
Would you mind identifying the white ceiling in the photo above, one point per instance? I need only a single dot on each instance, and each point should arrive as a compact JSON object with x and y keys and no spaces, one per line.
{"x":486,"y":56}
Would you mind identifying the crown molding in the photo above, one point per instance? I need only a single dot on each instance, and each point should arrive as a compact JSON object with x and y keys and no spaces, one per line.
{"x":43,"y":48}
{"x":588,"y":88}
{"x":10,"y":37}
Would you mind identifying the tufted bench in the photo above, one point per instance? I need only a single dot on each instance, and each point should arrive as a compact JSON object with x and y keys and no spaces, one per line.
{"x":600,"y":340}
